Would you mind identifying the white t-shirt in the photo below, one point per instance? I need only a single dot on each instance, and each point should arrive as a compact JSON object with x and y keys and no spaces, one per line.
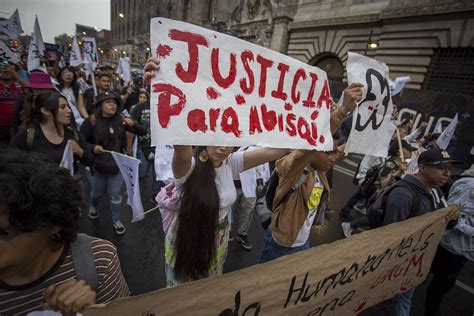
{"x":314,"y":200}
{"x":225,"y":174}
{"x":69,"y":94}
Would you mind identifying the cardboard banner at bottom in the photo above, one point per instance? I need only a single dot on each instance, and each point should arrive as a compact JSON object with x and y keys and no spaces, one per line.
{"x":343,"y":278}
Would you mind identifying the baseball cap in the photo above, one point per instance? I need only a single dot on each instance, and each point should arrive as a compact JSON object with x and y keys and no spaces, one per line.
{"x":436,"y":156}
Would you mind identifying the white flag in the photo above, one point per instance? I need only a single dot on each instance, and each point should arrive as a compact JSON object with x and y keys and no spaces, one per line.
{"x":126,"y":74}
{"x":75,"y":58}
{"x":397,"y":85}
{"x":68,"y":159}
{"x":89,"y":48}
{"x":445,"y":138}
{"x":412,"y":167}
{"x":372,"y":127}
{"x":6,"y":55}
{"x":135,"y":147}
{"x":36,"y":49}
{"x":438,"y":128}
{"x":12,"y":26}
{"x":129,"y":169}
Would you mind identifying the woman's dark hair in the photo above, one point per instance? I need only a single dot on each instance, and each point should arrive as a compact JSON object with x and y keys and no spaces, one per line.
{"x":74,"y":85}
{"x":37,"y":193}
{"x":197,"y":222}
{"x":48,"y":100}
{"x":102,"y":127}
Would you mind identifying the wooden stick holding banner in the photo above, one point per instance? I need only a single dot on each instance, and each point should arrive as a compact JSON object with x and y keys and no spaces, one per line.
{"x":341,"y":278}
{"x":399,"y":139}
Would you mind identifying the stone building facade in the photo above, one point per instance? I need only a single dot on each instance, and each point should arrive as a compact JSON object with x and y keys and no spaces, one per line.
{"x":432,"y":41}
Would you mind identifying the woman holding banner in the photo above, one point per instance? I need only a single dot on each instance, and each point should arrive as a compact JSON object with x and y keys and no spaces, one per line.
{"x":197,"y":240}
{"x":50,"y":128}
{"x":105,"y":131}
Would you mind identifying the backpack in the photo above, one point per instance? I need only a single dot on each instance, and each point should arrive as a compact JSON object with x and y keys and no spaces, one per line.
{"x":378,"y":203}
{"x":265,"y":196}
{"x":83,"y":260}
{"x":30,"y":136}
{"x":367,"y":187}
{"x":168,"y":202}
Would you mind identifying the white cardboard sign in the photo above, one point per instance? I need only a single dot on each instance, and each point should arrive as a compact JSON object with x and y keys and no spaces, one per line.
{"x":215,"y":89}
{"x":372,"y":127}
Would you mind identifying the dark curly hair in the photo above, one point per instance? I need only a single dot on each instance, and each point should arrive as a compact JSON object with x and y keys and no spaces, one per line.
{"x":37,"y":193}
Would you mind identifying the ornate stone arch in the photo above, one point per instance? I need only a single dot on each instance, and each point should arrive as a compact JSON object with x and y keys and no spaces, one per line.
{"x":330,"y":63}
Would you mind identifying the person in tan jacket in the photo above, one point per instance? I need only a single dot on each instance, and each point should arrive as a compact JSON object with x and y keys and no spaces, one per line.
{"x":293,"y":215}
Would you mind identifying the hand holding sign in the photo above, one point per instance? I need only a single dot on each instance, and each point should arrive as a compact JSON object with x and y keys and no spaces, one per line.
{"x":352,"y":95}
{"x":152,"y":64}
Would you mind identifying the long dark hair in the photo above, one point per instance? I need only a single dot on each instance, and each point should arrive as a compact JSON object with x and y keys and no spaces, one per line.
{"x":48,"y":100}
{"x":102,"y":127}
{"x":74,"y":85}
{"x":197,"y":222}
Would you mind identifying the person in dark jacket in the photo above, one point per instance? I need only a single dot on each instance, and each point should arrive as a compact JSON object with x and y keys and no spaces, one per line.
{"x":105,"y":131}
{"x":434,"y":171}
{"x":50,"y":127}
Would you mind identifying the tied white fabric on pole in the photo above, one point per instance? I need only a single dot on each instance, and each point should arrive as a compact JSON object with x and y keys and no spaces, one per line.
{"x":12,"y":26}
{"x":445,"y":138}
{"x":67,"y":160}
{"x":396,"y":86}
{"x":75,"y":58}
{"x":128,"y":167}
{"x":36,"y":49}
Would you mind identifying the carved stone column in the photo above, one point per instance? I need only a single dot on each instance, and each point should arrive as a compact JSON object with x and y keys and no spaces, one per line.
{"x":280,"y":36}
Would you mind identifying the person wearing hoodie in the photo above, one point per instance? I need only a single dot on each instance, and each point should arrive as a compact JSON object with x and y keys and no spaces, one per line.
{"x":455,"y":248}
{"x":434,"y":171}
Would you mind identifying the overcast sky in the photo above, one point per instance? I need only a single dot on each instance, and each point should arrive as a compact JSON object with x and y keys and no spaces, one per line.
{"x":58,"y":16}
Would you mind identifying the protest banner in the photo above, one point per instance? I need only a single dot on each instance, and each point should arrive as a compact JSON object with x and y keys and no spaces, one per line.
{"x":372,"y":127}
{"x":75,"y":58}
{"x":340,"y":278}
{"x":89,"y":48}
{"x":128,"y":167}
{"x":215,"y":89}
{"x":6,"y":55}
{"x":12,"y":26}
{"x":36,"y":49}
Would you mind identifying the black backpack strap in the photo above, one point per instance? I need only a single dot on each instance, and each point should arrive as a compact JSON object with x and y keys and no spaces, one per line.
{"x":84,"y":263}
{"x":30,"y":136}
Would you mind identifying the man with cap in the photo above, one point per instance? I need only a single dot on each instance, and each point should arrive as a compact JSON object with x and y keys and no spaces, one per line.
{"x":434,"y":171}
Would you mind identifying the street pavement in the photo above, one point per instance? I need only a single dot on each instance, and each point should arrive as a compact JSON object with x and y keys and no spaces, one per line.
{"x":141,"y":250}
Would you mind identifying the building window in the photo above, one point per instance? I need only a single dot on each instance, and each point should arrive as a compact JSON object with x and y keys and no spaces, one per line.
{"x":451,"y":71}
{"x":331,"y":64}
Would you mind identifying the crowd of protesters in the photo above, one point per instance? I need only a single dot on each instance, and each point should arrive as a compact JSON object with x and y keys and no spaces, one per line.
{"x":40,"y":203}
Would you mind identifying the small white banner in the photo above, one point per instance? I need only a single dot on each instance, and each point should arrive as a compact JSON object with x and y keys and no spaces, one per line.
{"x":12,"y":26}
{"x":36,"y":49}
{"x":372,"y":127}
{"x":67,"y":161}
{"x":129,"y":169}
{"x":89,"y":48}
{"x":445,"y":138}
